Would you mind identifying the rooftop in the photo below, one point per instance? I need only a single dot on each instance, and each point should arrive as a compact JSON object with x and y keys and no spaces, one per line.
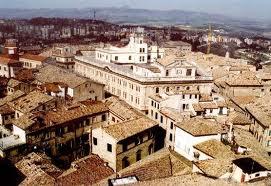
{"x":200,"y":127}
{"x":17,"y":94}
{"x":34,"y":57}
{"x":38,"y":170}
{"x":13,"y":83}
{"x":121,"y":131}
{"x":244,"y":79}
{"x":48,"y":73}
{"x":30,"y":101}
{"x":85,"y":171}
{"x":122,"y":109}
{"x":160,"y":164}
{"x":10,"y":142}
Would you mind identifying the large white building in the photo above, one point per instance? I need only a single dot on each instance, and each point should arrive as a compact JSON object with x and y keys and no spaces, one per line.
{"x":137,"y":51}
{"x":134,"y":83}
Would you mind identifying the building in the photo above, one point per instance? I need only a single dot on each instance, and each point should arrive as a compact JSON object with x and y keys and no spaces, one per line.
{"x":258,"y":114}
{"x":77,"y":88}
{"x":127,"y":142}
{"x":9,"y":67}
{"x":178,"y":45}
{"x":137,"y":51}
{"x":191,"y":132}
{"x":63,"y":132}
{"x":64,"y":56}
{"x":32,"y":61}
{"x":134,"y":83}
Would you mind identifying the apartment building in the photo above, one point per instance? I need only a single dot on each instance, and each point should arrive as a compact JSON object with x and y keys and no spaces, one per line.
{"x":125,"y":143}
{"x":64,"y":56}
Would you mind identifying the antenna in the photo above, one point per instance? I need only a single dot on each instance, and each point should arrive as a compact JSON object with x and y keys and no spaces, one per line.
{"x":94,"y":15}
{"x":210,"y":36}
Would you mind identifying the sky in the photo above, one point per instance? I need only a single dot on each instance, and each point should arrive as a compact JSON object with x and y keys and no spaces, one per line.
{"x":256,"y":9}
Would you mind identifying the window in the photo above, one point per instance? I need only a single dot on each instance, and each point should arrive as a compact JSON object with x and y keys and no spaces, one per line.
{"x":152,"y":103}
{"x":167,"y":72}
{"x":183,"y":96}
{"x":150,"y":149}
{"x":116,"y":58}
{"x":170,"y":137}
{"x":103,"y":117}
{"x":171,"y":125}
{"x":138,"y":155}
{"x":156,"y":115}
{"x":125,"y":162}
{"x":113,"y":119}
{"x":157,"y":90}
{"x":130,"y":58}
{"x":189,"y":72}
{"x":109,"y":147}
{"x":161,"y":119}
{"x":167,"y":89}
{"x":211,"y":111}
{"x":95,"y":141}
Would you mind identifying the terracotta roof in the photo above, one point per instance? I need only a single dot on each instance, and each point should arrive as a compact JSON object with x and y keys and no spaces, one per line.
{"x":157,"y":98}
{"x":205,"y":98}
{"x":17,"y":94}
{"x":8,"y":61}
{"x":160,"y":164}
{"x":51,"y":87}
{"x":129,"y":128}
{"x":72,"y":113}
{"x":244,"y":79}
{"x":48,"y":73}
{"x":210,"y":105}
{"x":238,"y":118}
{"x":30,"y":101}
{"x":185,"y":180}
{"x":25,"y":121}
{"x":38,"y":170}
{"x":34,"y":57}
{"x":261,"y":110}
{"x":6,"y":109}
{"x":173,"y":114}
{"x":215,"y":149}
{"x":86,"y":171}
{"x":25,"y":75}
{"x":122,"y":109}
{"x":200,"y":127}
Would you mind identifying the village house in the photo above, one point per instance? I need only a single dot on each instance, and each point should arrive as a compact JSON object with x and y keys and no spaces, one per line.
{"x":68,"y":84}
{"x":32,"y":61}
{"x":258,"y":114}
{"x":125,"y":143}
{"x":193,"y":131}
{"x":32,"y":102}
{"x":59,"y":133}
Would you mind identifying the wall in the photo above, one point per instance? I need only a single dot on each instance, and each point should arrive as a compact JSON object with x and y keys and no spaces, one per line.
{"x":184,"y":142}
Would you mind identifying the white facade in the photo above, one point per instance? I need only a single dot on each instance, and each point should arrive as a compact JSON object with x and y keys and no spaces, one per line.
{"x":135,"y":52}
{"x":184,"y":142}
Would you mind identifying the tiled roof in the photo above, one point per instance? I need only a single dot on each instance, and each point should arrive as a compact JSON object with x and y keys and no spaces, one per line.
{"x":38,"y":170}
{"x":6,"y":61}
{"x":200,"y":127}
{"x":160,"y":164}
{"x":86,"y":171}
{"x":244,"y":79}
{"x":129,"y":128}
{"x":238,"y":118}
{"x":215,"y":149}
{"x":17,"y":94}
{"x":33,"y":57}
{"x":72,"y":113}
{"x":6,"y":109}
{"x":122,"y":109}
{"x":173,"y":114}
{"x":30,"y":101}
{"x":48,"y":73}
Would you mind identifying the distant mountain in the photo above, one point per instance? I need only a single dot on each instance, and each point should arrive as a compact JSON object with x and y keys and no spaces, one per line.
{"x":126,"y":15}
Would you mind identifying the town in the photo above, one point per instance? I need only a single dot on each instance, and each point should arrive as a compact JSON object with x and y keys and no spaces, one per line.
{"x":94,"y":103}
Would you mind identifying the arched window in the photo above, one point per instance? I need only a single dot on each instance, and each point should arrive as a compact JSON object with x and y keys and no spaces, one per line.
{"x":167,"y":89}
{"x":138,"y":155}
{"x":150,"y":149}
{"x":125,"y":162}
{"x":157,"y":90}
